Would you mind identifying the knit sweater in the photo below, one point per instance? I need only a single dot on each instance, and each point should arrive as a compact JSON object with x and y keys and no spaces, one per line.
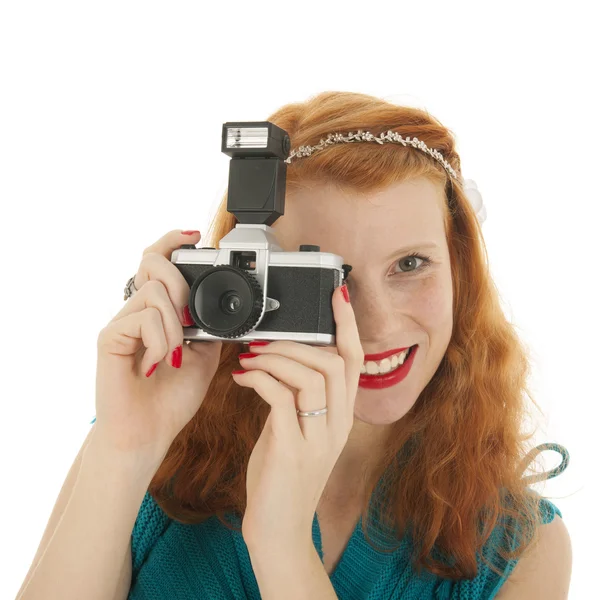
{"x":177,"y":561}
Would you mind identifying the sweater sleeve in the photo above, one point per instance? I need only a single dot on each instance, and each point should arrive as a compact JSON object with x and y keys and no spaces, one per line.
{"x":547,"y":512}
{"x":150,"y":525}
{"x":487,"y":582}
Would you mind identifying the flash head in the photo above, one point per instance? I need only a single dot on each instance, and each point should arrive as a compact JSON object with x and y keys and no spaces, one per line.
{"x":257,"y":172}
{"x":247,"y":139}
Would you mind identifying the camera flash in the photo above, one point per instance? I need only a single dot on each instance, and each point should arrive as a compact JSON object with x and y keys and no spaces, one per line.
{"x":247,"y":137}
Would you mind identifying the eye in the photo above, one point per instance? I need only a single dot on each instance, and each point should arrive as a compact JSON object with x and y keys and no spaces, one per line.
{"x":412,"y":259}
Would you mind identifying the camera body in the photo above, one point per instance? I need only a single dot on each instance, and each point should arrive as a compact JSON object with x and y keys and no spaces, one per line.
{"x":249,"y":288}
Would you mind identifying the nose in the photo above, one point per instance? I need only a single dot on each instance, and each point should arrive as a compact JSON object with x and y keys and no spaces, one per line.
{"x":374,"y":314}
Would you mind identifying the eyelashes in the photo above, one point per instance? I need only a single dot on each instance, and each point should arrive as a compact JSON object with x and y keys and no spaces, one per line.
{"x":426,"y":263}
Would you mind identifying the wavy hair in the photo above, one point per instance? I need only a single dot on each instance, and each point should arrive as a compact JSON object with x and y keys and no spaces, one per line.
{"x":455,"y":458}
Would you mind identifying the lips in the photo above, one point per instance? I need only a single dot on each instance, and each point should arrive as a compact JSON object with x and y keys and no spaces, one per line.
{"x":391,"y":378}
{"x":385,"y":354}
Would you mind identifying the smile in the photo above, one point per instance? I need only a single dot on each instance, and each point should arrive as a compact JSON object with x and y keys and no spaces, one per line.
{"x":390,"y":363}
{"x":388,"y":371}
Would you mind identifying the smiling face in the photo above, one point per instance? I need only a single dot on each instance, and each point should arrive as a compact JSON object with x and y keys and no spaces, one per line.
{"x":398,"y":300}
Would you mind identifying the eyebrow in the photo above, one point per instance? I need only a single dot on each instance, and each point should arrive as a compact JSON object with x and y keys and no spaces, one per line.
{"x":416,"y":246}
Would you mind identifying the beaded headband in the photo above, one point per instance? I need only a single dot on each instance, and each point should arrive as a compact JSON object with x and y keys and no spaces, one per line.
{"x":469,"y":185}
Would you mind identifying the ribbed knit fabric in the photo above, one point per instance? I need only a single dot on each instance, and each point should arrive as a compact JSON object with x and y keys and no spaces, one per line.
{"x":174,"y":561}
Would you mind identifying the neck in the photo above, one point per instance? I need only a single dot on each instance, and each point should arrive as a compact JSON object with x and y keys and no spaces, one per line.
{"x":361,"y":454}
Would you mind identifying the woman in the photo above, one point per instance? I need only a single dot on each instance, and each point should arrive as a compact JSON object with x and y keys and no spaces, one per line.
{"x":198,"y":483}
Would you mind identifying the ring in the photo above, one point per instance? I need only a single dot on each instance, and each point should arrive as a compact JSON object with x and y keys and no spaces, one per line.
{"x":130,"y":288}
{"x":312,"y":413}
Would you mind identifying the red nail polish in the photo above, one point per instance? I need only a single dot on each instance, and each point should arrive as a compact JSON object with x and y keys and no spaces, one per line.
{"x":345,"y":293}
{"x":258,"y":343}
{"x":239,"y":372}
{"x":177,"y":357}
{"x":247,"y":355}
{"x":187,"y":317}
{"x":151,"y":370}
{"x":190,"y":232}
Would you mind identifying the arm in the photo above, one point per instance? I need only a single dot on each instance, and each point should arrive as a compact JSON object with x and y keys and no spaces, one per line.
{"x":85,"y":556}
{"x":294,"y":574}
{"x":59,"y":508}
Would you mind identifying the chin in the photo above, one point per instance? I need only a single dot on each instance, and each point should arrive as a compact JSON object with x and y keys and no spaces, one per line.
{"x":381,"y":411}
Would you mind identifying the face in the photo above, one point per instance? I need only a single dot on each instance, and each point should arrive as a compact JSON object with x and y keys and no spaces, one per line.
{"x":399,"y":301}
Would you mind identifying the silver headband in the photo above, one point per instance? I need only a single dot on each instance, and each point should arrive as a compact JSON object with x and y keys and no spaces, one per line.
{"x":367,"y":136}
{"x":469,"y":186}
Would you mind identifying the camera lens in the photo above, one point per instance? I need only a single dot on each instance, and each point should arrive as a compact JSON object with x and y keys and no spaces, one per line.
{"x":231,"y":302}
{"x":226,"y":301}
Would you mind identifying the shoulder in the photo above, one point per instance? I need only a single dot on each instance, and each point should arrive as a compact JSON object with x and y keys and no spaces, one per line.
{"x":150,"y":524}
{"x":544,"y":570}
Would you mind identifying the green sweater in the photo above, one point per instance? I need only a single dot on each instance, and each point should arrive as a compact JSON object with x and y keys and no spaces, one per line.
{"x":177,"y":561}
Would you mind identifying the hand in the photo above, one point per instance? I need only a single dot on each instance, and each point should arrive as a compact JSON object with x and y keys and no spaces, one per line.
{"x":136,"y":413}
{"x":294,"y":456}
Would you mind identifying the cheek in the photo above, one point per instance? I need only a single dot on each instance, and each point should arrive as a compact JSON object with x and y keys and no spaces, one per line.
{"x":432,"y":299}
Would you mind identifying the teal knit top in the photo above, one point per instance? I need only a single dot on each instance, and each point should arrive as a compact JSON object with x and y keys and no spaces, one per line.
{"x":177,"y":561}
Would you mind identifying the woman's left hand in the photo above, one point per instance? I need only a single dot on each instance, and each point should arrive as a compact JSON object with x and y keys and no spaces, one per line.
{"x":294,"y":456}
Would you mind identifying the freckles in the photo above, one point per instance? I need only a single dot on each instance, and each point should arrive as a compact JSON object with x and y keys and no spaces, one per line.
{"x":433,"y":299}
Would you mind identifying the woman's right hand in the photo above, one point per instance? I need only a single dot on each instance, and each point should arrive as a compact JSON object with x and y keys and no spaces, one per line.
{"x":140,"y":414}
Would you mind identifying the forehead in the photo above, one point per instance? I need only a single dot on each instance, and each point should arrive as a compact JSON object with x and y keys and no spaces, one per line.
{"x":402,"y":214}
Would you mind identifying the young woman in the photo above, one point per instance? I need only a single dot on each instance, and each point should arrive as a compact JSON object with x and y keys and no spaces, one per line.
{"x":198,"y":483}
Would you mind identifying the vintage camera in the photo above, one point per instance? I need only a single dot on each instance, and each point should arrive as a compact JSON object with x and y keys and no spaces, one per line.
{"x":249,"y":289}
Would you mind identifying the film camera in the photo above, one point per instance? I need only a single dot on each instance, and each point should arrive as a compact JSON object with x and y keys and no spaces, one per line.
{"x":249,"y":289}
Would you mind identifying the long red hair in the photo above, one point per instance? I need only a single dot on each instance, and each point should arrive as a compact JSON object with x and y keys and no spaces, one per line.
{"x":466,"y":446}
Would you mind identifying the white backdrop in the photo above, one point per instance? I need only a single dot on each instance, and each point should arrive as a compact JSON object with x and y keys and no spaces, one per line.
{"x":110,"y":133}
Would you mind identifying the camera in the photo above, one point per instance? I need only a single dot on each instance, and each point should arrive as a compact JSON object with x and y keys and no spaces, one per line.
{"x":249,"y":288}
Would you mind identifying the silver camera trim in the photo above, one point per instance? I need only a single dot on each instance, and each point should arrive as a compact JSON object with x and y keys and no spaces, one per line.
{"x":259,"y":238}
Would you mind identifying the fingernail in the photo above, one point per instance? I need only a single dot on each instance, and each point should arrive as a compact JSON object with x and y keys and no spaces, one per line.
{"x":345,"y":293}
{"x":151,"y":370}
{"x":247,"y":355}
{"x":239,"y":372}
{"x":190,"y":232}
{"x":177,"y":356}
{"x":187,"y":317}
{"x":258,"y":343}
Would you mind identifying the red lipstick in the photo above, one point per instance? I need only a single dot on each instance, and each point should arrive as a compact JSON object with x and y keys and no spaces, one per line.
{"x":376,"y":382}
{"x":385,"y":354}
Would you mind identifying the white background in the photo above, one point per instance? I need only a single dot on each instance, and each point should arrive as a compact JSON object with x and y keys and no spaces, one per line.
{"x":110,"y":133}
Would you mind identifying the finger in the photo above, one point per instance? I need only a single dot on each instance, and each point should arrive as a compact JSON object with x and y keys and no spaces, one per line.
{"x":154,"y":294}
{"x":171,"y":241}
{"x":283,"y":404}
{"x":205,"y":347}
{"x":320,"y":384}
{"x":325,"y":360}
{"x":165,"y":246}
{"x":347,"y":341}
{"x":155,"y":267}
{"x":127,"y":335}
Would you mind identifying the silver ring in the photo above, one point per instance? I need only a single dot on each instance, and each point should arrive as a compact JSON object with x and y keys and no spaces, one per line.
{"x":312,"y":413}
{"x":130,"y":288}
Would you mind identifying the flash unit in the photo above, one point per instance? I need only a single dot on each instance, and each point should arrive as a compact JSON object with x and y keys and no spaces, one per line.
{"x":247,"y":139}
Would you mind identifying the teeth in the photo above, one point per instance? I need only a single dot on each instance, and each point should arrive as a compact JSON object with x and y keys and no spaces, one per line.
{"x":384,"y":366}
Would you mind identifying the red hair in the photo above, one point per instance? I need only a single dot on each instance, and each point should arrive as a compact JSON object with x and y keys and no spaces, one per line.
{"x":466,"y":446}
